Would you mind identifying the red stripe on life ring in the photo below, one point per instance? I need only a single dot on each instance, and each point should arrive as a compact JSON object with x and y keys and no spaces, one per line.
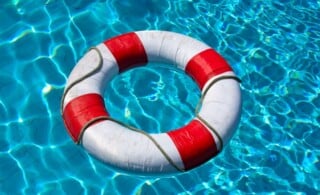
{"x":128,"y":50}
{"x":205,"y":65}
{"x":80,"y":111}
{"x":195,"y":144}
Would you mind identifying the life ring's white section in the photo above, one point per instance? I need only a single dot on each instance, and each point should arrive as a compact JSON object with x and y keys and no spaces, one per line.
{"x":124,"y":148}
{"x":96,"y":82}
{"x":221,"y":106}
{"x":169,"y":47}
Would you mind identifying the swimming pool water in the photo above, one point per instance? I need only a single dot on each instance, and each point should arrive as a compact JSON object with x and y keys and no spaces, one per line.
{"x":273,"y":46}
{"x":146,"y":98}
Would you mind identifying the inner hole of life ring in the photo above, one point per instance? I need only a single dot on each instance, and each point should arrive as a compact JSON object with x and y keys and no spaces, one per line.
{"x":155,"y":98}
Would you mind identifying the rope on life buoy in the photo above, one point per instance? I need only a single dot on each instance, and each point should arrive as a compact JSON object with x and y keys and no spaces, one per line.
{"x":94,"y":71}
{"x":202,"y":98}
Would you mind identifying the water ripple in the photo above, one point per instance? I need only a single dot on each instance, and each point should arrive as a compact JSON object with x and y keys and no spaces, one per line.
{"x":272,"y":46}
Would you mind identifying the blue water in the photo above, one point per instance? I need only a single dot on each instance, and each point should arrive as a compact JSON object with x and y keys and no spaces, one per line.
{"x":273,"y":46}
{"x":156,"y":98}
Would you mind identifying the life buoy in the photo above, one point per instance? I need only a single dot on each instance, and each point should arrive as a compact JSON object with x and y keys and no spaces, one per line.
{"x":89,"y":123}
